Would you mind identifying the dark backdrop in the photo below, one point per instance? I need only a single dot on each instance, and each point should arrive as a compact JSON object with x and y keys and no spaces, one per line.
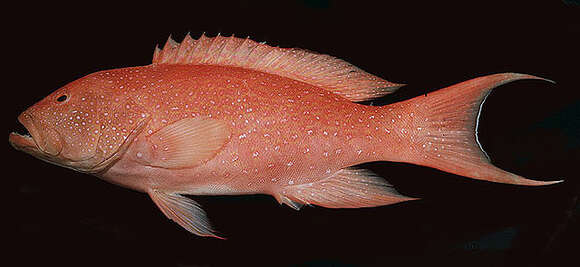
{"x":528,"y":127}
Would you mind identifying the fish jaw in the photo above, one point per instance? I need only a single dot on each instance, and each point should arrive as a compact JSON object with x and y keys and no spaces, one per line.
{"x":28,"y":144}
{"x":35,"y":143}
{"x":46,"y":146}
{"x":48,"y":142}
{"x":23,"y":143}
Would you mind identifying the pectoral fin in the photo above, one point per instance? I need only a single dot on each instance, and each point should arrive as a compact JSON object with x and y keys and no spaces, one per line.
{"x":347,"y":188}
{"x":186,"y":143}
{"x":183,"y":211}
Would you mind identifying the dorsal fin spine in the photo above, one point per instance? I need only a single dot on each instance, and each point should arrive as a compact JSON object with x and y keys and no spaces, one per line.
{"x":169,"y":50}
{"x":156,"y":53}
{"x":184,"y":49}
{"x":214,"y":49}
{"x":202,"y":47}
{"x":193,"y":51}
{"x":218,"y":55}
{"x":235,"y":59}
{"x":225,"y":58}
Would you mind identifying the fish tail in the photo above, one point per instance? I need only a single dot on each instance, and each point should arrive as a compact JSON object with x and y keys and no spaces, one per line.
{"x":445,"y":133}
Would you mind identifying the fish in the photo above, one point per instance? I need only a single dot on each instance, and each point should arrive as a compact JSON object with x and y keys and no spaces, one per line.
{"x":232,"y":116}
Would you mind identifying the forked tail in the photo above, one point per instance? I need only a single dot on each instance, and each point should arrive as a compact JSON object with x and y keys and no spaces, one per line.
{"x":445,"y":134}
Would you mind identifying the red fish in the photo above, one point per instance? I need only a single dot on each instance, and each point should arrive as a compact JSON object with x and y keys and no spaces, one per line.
{"x":227,"y":116}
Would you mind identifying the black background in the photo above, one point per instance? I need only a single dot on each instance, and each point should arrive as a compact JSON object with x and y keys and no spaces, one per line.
{"x":528,"y":127}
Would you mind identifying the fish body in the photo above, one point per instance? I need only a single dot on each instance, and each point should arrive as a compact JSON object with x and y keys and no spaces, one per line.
{"x":226,"y":116}
{"x":273,"y":124}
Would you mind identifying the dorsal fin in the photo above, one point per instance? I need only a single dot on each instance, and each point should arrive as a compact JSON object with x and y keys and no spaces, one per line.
{"x":320,"y":70}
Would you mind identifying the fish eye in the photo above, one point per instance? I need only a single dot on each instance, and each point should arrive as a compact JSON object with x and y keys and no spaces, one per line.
{"x":61,"y":98}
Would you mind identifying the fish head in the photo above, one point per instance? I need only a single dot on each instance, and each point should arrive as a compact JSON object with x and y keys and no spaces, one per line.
{"x":82,"y":126}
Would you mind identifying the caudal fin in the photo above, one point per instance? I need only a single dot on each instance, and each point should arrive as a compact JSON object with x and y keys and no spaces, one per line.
{"x":446,"y":135}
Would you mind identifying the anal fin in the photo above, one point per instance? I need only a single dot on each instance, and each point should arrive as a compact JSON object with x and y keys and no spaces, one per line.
{"x":297,"y":205}
{"x":184,"y":211}
{"x":347,"y":188}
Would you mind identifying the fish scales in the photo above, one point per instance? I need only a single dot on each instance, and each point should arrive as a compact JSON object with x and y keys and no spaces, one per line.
{"x":325,"y":127}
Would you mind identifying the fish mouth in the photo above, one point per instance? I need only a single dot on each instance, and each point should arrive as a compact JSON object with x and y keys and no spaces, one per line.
{"x":24,"y":141}
{"x":28,"y":144}
{"x":31,"y":141}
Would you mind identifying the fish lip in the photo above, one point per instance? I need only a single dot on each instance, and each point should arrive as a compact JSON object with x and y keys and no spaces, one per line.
{"x":25,"y":141}
{"x":27,"y":144}
{"x":34,"y":142}
{"x":30,"y":144}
